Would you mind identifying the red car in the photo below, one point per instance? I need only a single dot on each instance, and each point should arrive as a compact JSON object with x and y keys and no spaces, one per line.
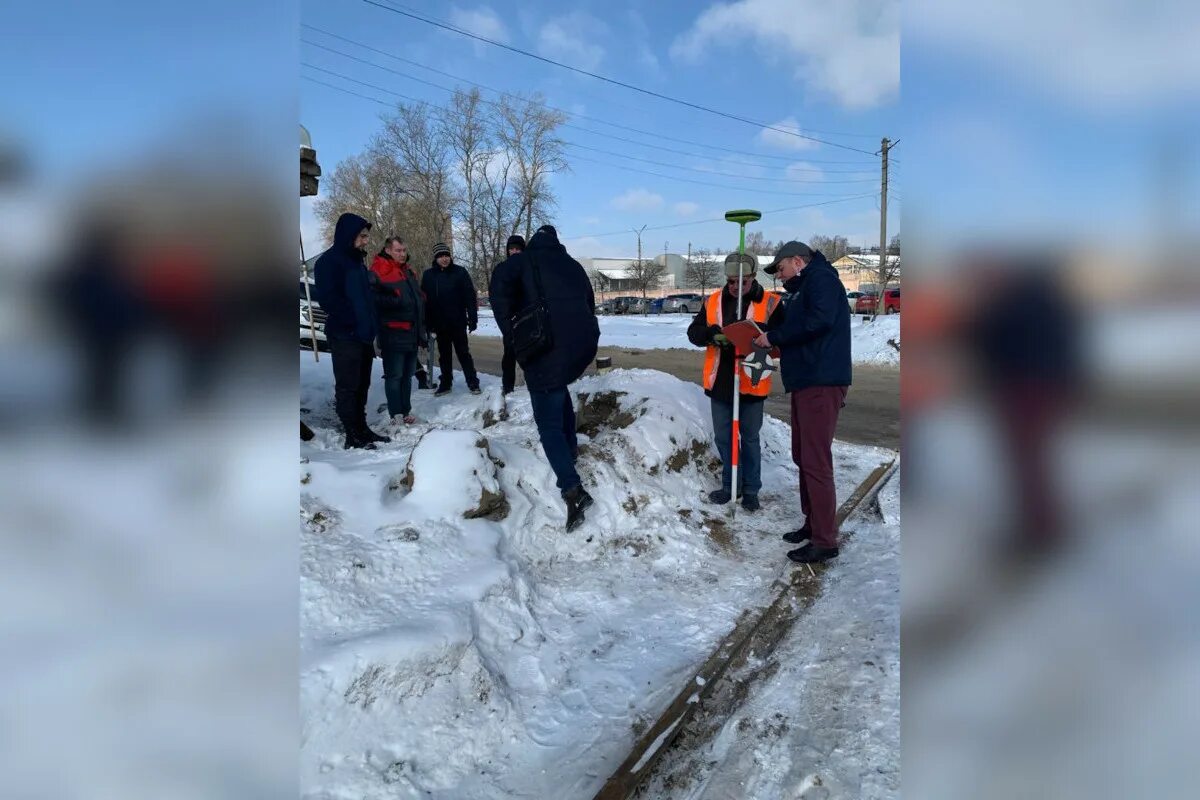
{"x":865,"y":304}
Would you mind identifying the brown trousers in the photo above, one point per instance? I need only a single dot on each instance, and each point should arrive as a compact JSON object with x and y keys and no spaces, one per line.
{"x":814,"y":418}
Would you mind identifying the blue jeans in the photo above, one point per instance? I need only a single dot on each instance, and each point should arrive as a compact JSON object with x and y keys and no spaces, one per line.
{"x":399,"y":367}
{"x":750,"y":456}
{"x":554,"y":414}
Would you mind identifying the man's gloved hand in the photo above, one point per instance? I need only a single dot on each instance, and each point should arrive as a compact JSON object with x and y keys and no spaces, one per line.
{"x":721,"y":340}
{"x":713,"y":332}
{"x":472,"y":326}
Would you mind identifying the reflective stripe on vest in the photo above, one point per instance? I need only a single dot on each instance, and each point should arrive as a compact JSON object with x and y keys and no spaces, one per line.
{"x":760,"y":312}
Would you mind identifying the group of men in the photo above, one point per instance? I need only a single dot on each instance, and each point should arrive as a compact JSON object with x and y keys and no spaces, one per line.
{"x":387,"y":310}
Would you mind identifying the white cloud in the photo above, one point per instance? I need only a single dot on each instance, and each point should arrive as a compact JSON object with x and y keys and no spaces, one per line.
{"x":686,"y":208}
{"x":482,"y":21}
{"x":591,"y":221}
{"x":571,"y":39}
{"x":638,"y":200}
{"x":848,"y":50}
{"x":785,"y":141}
{"x":1108,"y":55}
{"x":804,"y":171}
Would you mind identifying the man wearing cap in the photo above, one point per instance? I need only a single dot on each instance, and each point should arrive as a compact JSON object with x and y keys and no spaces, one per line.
{"x":452,"y":309}
{"x":814,"y":344}
{"x":508,"y":364}
{"x":719,"y":310}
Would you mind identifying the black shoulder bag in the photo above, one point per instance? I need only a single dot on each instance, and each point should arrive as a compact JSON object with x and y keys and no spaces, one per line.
{"x":531,"y":336}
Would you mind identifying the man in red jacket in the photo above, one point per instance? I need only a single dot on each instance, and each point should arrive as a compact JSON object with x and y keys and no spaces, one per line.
{"x":400,"y":306}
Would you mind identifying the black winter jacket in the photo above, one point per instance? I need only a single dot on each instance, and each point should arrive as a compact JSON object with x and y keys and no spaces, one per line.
{"x":814,"y":341}
{"x":571,"y":303}
{"x":341,"y":285}
{"x":450,"y":300}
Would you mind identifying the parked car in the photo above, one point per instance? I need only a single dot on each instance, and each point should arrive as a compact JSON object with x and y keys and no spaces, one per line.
{"x":627,"y":305}
{"x":318,"y":327}
{"x":683,"y":303}
{"x":656,"y":306}
{"x":891,"y":303}
{"x":852,"y":299}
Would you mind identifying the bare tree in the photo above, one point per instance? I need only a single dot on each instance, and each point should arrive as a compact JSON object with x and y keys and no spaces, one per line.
{"x":703,"y":271}
{"x":601,"y":283}
{"x":759,"y":245}
{"x":894,"y":245}
{"x":418,"y":146}
{"x":366,"y":185}
{"x":646,"y":274}
{"x":529,"y":131}
{"x":468,"y":133}
{"x":834,"y":247}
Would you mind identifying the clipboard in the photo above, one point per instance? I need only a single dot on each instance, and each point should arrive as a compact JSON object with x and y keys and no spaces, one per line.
{"x":743,"y":334}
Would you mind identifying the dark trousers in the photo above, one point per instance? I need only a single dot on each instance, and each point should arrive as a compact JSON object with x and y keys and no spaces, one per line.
{"x":814,"y":418}
{"x":399,"y":366}
{"x":508,"y":368}
{"x":352,"y":380}
{"x":554,"y":414}
{"x":450,"y":343}
{"x":750,"y":420}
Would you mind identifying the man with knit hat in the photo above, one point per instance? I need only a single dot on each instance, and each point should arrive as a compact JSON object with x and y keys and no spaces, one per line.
{"x":814,"y":345}
{"x":452,"y":309}
{"x":720,"y":310}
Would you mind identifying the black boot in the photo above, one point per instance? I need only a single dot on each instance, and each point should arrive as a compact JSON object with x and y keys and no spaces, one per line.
{"x":422,"y":380}
{"x":368,"y":435}
{"x":577,"y":502}
{"x":800,"y":536}
{"x":811,"y":554}
{"x":354,"y":439}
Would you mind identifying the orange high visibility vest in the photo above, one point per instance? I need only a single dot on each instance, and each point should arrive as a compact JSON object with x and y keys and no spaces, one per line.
{"x":760,"y":312}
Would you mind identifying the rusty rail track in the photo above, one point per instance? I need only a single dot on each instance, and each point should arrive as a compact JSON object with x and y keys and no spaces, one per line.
{"x":792,"y":593}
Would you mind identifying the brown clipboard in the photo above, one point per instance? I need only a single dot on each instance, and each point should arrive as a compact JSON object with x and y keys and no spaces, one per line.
{"x":743,"y":334}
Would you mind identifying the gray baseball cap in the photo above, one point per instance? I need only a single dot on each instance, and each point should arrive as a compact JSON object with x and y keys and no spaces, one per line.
{"x":789,"y":249}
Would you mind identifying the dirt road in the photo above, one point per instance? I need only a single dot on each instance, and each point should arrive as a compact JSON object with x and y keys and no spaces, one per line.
{"x":871,"y":415}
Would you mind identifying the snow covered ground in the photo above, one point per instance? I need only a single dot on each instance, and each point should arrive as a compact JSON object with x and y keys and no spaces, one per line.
{"x":499,"y":656}
{"x":827,"y":723}
{"x":868,"y":340}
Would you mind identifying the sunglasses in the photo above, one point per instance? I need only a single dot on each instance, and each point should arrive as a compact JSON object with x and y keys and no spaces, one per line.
{"x":732,"y":281}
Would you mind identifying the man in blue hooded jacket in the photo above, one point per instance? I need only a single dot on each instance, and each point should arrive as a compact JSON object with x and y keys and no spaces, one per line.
{"x":343,"y":290}
{"x":575,"y":332}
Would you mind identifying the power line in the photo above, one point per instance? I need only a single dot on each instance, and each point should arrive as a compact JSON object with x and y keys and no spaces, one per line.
{"x":613,"y":81}
{"x":861,"y":165}
{"x":580,"y":158}
{"x":722,"y":219}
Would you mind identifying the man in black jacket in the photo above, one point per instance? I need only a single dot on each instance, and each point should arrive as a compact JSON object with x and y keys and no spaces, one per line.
{"x":342,"y":289}
{"x":575,"y":333}
{"x":814,"y":345}
{"x":508,"y":364}
{"x":452,"y":309}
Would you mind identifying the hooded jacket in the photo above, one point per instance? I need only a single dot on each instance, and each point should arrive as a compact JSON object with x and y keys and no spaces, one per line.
{"x":569,"y":299}
{"x":450,"y":300}
{"x":814,"y":340}
{"x":399,"y":304}
{"x":341,"y":285}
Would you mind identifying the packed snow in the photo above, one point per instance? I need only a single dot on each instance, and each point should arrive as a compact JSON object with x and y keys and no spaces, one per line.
{"x":826,"y":724}
{"x":868,"y":340}
{"x":457,"y":643}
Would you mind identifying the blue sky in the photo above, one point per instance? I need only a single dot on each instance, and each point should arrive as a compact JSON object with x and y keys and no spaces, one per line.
{"x":832,"y":72}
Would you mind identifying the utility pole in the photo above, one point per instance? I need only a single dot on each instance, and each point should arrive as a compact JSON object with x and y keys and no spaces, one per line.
{"x":883,"y":198}
{"x":641,"y":269}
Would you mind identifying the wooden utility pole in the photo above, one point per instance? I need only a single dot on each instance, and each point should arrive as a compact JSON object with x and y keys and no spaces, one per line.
{"x":883,"y":198}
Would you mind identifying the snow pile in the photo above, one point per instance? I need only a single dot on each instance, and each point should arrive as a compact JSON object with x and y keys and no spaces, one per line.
{"x":868,"y":340}
{"x":457,"y":643}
